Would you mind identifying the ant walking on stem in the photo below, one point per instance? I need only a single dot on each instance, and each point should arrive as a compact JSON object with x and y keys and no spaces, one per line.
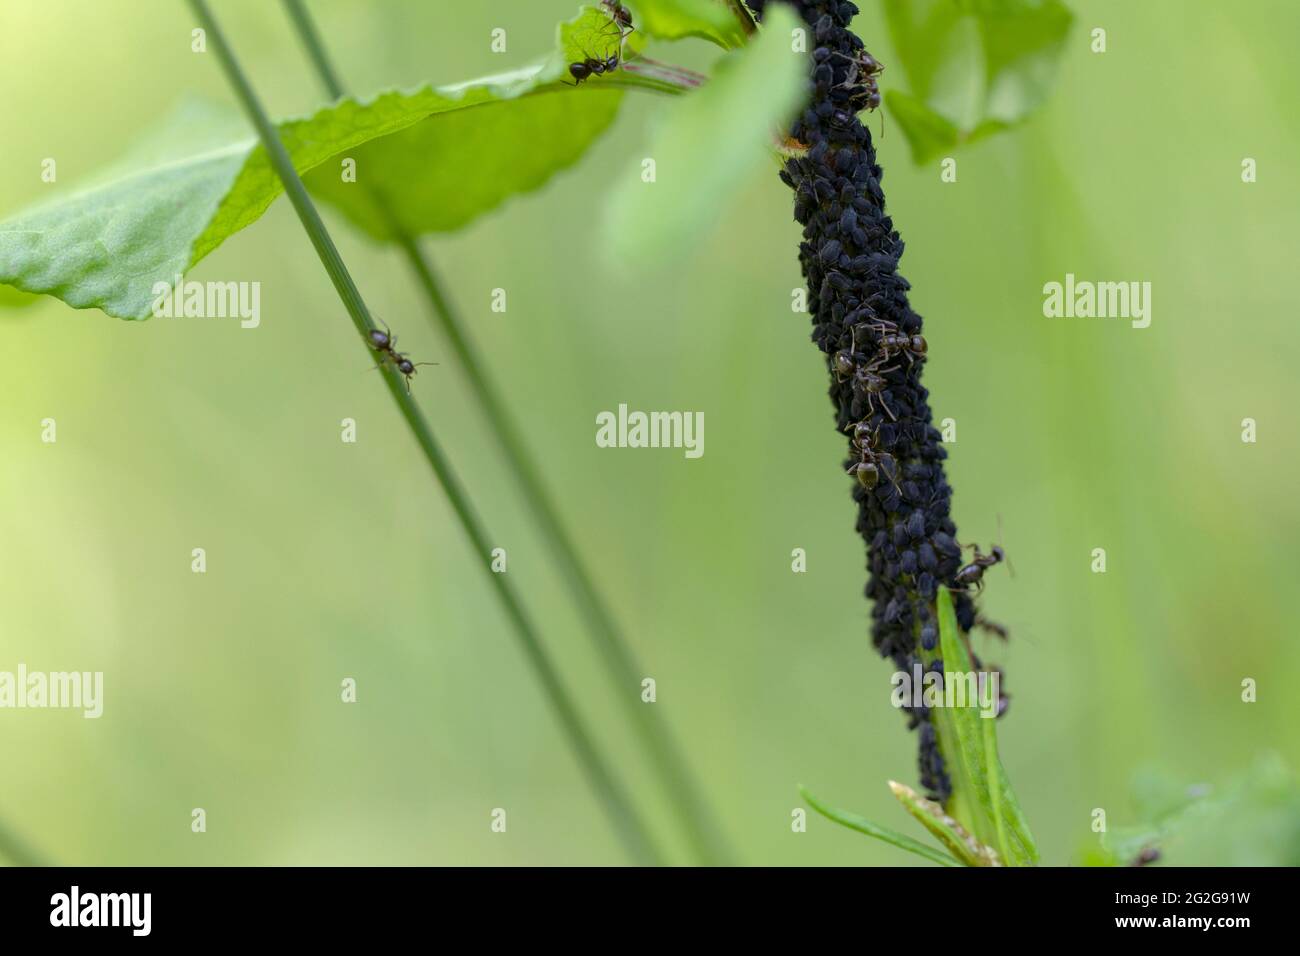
{"x":384,"y":342}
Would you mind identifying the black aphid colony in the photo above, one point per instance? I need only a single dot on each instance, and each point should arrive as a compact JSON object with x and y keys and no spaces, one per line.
{"x":875,"y":353}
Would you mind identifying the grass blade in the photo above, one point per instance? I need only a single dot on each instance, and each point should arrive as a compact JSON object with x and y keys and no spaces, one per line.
{"x":863,"y":825}
{"x":613,"y":795}
{"x":691,"y":809}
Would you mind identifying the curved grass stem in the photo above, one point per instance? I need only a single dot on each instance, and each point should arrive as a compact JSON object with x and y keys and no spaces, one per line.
{"x":612,"y":794}
{"x":688,"y":803}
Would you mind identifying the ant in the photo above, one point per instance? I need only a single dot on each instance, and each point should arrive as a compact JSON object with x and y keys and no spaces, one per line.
{"x":973,"y":573}
{"x":592,"y":66}
{"x":871,"y":382}
{"x":407,"y":368}
{"x":867,"y":68}
{"x":913,"y":346}
{"x":873,"y":462}
{"x":868,"y":379}
{"x":621,"y":17}
{"x":384,"y":342}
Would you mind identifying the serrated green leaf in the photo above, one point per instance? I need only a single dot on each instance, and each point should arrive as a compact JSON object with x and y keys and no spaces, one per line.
{"x":709,"y":144}
{"x":724,"y":22}
{"x":971,"y":67}
{"x":192,"y":184}
{"x":863,"y":825}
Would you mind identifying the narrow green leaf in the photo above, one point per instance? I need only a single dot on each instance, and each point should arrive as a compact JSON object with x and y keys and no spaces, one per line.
{"x":863,"y":825}
{"x":983,"y":801}
{"x":948,"y":831}
{"x":971,"y":67}
{"x":709,"y":144}
{"x":723,"y":22}
{"x":193,"y":183}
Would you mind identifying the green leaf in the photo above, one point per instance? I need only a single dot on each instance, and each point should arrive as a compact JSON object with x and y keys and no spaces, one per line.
{"x":706,"y":149}
{"x":928,"y":133}
{"x":724,"y":22}
{"x":948,"y":831}
{"x":983,"y":801}
{"x":202,"y":177}
{"x":863,"y":825}
{"x":972,"y":67}
{"x":1251,"y":820}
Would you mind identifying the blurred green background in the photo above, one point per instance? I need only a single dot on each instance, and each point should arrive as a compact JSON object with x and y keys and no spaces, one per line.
{"x":328,"y":560}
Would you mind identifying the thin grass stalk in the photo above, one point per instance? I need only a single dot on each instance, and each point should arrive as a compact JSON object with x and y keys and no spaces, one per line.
{"x":689,"y":805}
{"x":611,"y":793}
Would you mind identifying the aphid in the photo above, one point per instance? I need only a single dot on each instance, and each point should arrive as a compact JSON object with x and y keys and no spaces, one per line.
{"x":973,"y":573}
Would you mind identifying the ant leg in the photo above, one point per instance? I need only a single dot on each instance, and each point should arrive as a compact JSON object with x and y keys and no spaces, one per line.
{"x":888,"y":411}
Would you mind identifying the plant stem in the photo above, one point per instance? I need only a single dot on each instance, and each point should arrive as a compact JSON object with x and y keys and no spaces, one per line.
{"x":627,"y":822}
{"x":673,"y":79}
{"x":619,"y":661}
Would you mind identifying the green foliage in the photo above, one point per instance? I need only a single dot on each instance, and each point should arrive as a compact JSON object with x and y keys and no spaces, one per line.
{"x":982,"y":799}
{"x":201,"y":177}
{"x":863,"y":825}
{"x":708,"y":145}
{"x":1252,"y":820}
{"x":973,"y":67}
{"x":724,"y":22}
